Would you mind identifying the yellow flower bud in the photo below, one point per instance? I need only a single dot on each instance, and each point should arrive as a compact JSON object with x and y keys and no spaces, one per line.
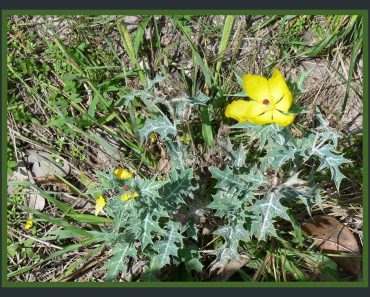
{"x":124,"y":174}
{"x":128,"y":196}
{"x":153,"y":138}
{"x":29,"y":223}
{"x":99,"y":205}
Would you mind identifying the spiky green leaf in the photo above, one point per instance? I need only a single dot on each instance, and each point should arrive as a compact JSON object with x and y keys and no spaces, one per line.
{"x":267,"y":210}
{"x":232,"y":234}
{"x":148,"y":225}
{"x":178,"y":155}
{"x":277,"y":156}
{"x":225,"y":203}
{"x":226,"y":178}
{"x":254,"y":178}
{"x":149,"y":188}
{"x":167,"y":246}
{"x":190,"y":256}
{"x":261,"y":132}
{"x":116,"y":264}
{"x":162,"y":125}
{"x":331,"y":161}
{"x":238,"y":157}
{"x":178,"y":187}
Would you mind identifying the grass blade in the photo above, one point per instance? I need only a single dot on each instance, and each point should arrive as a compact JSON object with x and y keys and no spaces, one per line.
{"x":70,"y":57}
{"x":229,"y":22}
{"x":357,"y":43}
{"x":206,"y":126}
{"x":89,"y":219}
{"x":60,"y":223}
{"x":67,"y":249}
{"x":139,"y":36}
{"x":205,"y":70}
{"x":73,"y":268}
{"x":65,"y":208}
{"x":129,"y":47}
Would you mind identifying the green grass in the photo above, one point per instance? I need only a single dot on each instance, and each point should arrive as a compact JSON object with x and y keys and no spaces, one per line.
{"x":74,"y":90}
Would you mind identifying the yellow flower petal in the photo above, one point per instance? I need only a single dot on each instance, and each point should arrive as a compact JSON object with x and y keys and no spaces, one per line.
{"x":124,"y":174}
{"x":272,"y":98}
{"x":280,"y":93}
{"x":251,"y":111}
{"x":237,"y":110}
{"x":282,"y":119}
{"x":129,"y":196}
{"x":259,"y":113}
{"x":99,"y":205}
{"x":256,"y":87}
{"x":265,"y":118}
{"x":255,"y":108}
{"x":28,"y":224}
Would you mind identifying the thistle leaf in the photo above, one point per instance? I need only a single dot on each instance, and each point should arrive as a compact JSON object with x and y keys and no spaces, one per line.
{"x":238,"y":157}
{"x":295,"y":187}
{"x":148,"y":226}
{"x":161,"y":125}
{"x":331,"y":161}
{"x":177,"y":154}
{"x":116,"y":264}
{"x":149,"y":274}
{"x":200,"y":99}
{"x":232,"y":234}
{"x":149,"y":188}
{"x":225,"y":203}
{"x":326,"y":133}
{"x":261,"y":132}
{"x":226,"y":178}
{"x":268,"y":209}
{"x":178,"y":187}
{"x":190,"y":256}
{"x":168,"y":246}
{"x":254,"y":177}
{"x":277,"y":156}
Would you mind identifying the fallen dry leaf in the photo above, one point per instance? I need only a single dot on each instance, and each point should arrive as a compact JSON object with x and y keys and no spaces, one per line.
{"x":35,"y":200}
{"x":20,"y":174}
{"x":332,"y":236}
{"x":45,"y":165}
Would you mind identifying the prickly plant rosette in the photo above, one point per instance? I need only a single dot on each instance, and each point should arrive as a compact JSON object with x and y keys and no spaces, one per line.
{"x":271,"y":101}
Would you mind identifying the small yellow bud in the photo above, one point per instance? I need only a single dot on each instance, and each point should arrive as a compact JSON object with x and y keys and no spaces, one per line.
{"x":100,"y":203}
{"x":29,"y":223}
{"x":153,"y":138}
{"x":121,"y":173}
{"x":128,"y":196}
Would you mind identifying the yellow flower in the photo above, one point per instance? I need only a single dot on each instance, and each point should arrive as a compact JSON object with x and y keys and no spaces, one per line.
{"x":99,"y":205}
{"x":29,"y":223}
{"x":129,"y":196}
{"x":121,"y":173}
{"x":271,"y":100}
{"x":153,"y":137}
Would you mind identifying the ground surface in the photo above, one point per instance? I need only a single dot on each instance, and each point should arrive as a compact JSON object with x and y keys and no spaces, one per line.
{"x":67,"y":64}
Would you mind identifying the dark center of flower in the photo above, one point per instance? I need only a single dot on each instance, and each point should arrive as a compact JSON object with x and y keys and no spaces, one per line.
{"x":266,"y":101}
